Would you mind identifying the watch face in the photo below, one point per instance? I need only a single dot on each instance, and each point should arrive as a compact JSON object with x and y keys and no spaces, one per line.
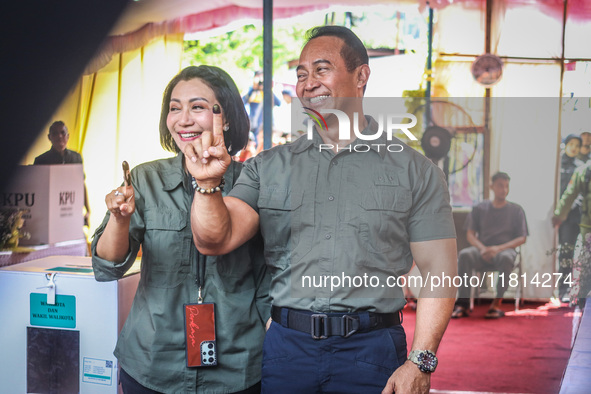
{"x":427,"y":361}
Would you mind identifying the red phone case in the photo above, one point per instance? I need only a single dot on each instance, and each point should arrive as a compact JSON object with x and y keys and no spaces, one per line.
{"x":200,"y":335}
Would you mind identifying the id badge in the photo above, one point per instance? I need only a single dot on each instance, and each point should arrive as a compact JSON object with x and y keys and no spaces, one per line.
{"x":200,"y":335}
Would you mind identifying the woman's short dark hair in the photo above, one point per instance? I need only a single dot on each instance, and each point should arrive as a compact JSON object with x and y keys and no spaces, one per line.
{"x":226,"y":93}
{"x":353,"y":52}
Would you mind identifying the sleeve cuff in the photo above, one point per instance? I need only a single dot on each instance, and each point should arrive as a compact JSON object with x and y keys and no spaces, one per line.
{"x":431,"y":227}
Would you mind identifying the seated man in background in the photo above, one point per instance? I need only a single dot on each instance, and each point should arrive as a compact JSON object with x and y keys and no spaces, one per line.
{"x":59,"y":154}
{"x":494,"y":229}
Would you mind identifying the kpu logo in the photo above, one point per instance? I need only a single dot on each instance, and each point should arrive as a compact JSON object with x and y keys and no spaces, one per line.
{"x":67,"y":198}
{"x":18,"y":199}
{"x":386,"y":123}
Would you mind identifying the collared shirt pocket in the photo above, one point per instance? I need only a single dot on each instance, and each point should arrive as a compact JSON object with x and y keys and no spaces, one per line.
{"x":385,"y":210}
{"x":280,"y":212}
{"x":166,"y":247}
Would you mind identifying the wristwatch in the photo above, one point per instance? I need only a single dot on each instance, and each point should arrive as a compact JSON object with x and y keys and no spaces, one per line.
{"x":425,"y":360}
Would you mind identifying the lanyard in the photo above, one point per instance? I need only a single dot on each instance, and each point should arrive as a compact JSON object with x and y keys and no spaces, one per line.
{"x":200,"y":276}
{"x":200,"y":279}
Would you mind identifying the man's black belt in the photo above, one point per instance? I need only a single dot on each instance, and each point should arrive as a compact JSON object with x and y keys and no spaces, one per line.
{"x":324,"y":325}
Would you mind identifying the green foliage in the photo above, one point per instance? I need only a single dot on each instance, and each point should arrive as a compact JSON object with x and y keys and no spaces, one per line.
{"x":240,"y":52}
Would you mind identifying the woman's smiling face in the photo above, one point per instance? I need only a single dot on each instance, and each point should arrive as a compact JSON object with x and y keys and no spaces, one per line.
{"x":190,"y":111}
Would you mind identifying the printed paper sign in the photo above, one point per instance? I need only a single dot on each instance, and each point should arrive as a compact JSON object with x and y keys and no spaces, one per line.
{"x":62,"y":314}
{"x":97,"y":371}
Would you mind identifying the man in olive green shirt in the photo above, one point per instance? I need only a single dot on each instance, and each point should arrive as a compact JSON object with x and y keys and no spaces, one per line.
{"x":579,"y":185}
{"x":340,"y":212}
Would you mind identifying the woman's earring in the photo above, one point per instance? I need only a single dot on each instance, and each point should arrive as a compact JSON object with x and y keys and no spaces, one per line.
{"x":226,"y":127}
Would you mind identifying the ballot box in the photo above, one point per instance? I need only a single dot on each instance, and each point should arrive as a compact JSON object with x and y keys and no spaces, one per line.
{"x":60,"y":326}
{"x":52,"y":197}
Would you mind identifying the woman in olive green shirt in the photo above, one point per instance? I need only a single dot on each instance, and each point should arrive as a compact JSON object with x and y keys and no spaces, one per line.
{"x":153,"y":212}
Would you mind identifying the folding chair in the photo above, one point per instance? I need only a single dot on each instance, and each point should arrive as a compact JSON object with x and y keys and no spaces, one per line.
{"x":517,"y":266}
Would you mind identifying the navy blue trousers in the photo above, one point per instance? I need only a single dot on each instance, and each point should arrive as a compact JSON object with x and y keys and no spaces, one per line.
{"x":131,"y":386}
{"x":294,"y":362}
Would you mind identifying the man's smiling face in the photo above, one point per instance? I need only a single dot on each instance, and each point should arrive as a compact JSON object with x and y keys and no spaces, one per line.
{"x":322,"y":75}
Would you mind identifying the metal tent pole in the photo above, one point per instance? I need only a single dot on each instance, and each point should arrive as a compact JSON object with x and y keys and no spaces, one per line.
{"x":267,"y":73}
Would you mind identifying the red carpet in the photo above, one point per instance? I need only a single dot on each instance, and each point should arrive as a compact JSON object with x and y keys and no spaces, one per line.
{"x":524,"y":352}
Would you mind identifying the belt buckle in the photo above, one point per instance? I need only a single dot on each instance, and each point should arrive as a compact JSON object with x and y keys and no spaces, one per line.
{"x":319,"y":326}
{"x":350,"y":325}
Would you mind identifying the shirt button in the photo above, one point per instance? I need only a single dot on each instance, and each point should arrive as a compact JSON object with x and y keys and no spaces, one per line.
{"x":335,"y":162}
{"x":331,"y":198}
{"x":327,"y":236}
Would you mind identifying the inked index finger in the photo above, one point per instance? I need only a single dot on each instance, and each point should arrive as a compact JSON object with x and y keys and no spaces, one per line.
{"x":218,"y":121}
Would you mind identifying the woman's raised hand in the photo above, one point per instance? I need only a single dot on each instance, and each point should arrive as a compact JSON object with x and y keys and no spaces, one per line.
{"x":207,"y":158}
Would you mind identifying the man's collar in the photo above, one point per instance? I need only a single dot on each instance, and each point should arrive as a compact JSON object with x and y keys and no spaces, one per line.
{"x":303,"y":143}
{"x":57,"y":152}
{"x":379,"y":144}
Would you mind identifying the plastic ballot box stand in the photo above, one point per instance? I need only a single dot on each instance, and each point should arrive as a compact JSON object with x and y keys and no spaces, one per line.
{"x":60,"y":326}
{"x":52,"y":197}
